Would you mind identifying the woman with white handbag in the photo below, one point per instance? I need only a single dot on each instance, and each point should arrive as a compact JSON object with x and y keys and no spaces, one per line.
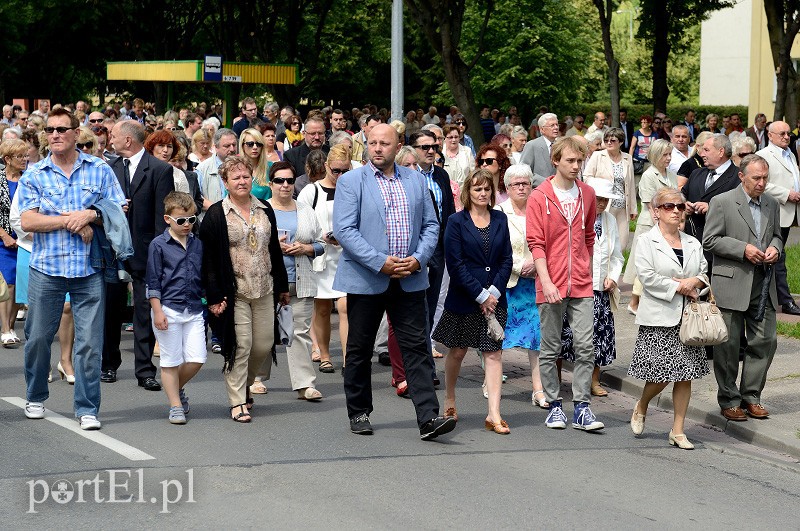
{"x":672,"y":269}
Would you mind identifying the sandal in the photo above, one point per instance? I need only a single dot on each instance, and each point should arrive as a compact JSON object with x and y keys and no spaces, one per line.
{"x":437,"y":354}
{"x":597,"y":390}
{"x":541,"y":402}
{"x":315,"y":357}
{"x":243,"y":417}
{"x":500,"y":427}
{"x":9,"y":340}
{"x":326,"y":366}
{"x":310,"y":394}
{"x":258,"y":388}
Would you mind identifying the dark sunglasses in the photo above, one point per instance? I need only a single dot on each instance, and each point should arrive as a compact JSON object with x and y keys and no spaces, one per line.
{"x":337,"y":171}
{"x":672,"y":206}
{"x":96,"y":120}
{"x":461,"y":122}
{"x":100,"y":129}
{"x":581,"y":122}
{"x":282,"y":180}
{"x":488,"y":161}
{"x":86,"y":145}
{"x":182,"y":221}
{"x":251,"y":143}
{"x":742,"y":155}
{"x":655,"y":121}
{"x":426,"y":147}
{"x":295,"y":123}
{"x":61,"y":130}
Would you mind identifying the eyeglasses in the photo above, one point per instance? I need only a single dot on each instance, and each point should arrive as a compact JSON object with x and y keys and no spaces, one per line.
{"x":282,"y":180}
{"x":505,"y":146}
{"x":579,"y":122}
{"x":295,"y":123}
{"x":672,"y":206}
{"x":654,"y":121}
{"x":487,"y":161}
{"x":337,"y":171}
{"x":251,"y":143}
{"x":100,"y":129}
{"x":426,"y":147}
{"x":182,"y":221}
{"x":611,"y":140}
{"x":781,"y":133}
{"x":461,"y":122}
{"x":60,"y":130}
{"x":96,"y":120}
{"x":741,"y":155}
{"x":85,"y":145}
{"x":22,"y":157}
{"x":519,"y":185}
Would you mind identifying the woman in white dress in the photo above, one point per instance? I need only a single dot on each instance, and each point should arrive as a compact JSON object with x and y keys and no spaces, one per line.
{"x":320,"y":197}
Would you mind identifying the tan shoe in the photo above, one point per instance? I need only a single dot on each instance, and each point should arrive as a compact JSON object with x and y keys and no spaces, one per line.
{"x":309,"y":393}
{"x":637,"y":421}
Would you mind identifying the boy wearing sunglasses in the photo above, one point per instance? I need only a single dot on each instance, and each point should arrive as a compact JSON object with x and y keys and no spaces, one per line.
{"x":174,"y":290}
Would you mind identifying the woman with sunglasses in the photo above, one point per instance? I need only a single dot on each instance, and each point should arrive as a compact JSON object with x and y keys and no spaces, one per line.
{"x":251,"y":146}
{"x":741,"y":147}
{"x":493,"y":158}
{"x":320,"y":197}
{"x":672,"y":269}
{"x":292,"y":136}
{"x":461,"y":122}
{"x":695,"y":159}
{"x":640,"y":143}
{"x":665,"y":133}
{"x":14,"y":154}
{"x":613,"y":165}
{"x":656,"y":177}
{"x":87,"y":142}
{"x":458,"y":161}
{"x":300,"y":237}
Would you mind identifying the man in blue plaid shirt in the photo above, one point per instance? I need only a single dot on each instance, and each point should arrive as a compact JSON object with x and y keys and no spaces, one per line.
{"x":56,"y":200}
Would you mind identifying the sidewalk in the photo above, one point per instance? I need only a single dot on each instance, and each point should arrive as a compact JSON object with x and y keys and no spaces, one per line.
{"x":781,"y":432}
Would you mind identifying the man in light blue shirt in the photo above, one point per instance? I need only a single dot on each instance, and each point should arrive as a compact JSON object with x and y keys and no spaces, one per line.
{"x":56,"y":200}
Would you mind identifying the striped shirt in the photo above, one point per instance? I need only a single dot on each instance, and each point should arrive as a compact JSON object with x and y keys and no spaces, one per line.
{"x":44,"y":186}
{"x":433,"y":186}
{"x":398,"y":226}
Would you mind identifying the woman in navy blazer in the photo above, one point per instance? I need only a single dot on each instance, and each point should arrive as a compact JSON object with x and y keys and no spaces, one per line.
{"x":478,"y":254}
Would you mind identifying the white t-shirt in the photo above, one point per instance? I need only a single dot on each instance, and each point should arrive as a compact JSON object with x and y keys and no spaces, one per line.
{"x":568,"y":200}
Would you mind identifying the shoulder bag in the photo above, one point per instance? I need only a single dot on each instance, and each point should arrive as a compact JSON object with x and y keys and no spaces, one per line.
{"x":702,"y":324}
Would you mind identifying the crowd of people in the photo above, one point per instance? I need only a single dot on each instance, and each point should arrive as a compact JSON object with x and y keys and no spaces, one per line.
{"x":412,"y":233}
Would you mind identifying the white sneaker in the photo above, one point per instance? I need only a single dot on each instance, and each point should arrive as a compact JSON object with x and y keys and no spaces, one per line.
{"x":34,"y":410}
{"x":89,"y":422}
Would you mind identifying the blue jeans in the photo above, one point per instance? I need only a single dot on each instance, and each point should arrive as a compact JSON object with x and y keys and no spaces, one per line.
{"x":45,"y":303}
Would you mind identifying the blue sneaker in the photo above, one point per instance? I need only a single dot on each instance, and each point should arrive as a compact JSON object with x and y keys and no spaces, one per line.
{"x":184,"y":401}
{"x":556,"y":418}
{"x":584,"y":419}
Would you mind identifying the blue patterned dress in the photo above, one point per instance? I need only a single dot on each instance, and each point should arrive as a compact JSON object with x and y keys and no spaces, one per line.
{"x":522,"y":326}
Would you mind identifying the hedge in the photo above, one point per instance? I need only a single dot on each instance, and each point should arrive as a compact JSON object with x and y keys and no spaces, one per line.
{"x":676,"y":112}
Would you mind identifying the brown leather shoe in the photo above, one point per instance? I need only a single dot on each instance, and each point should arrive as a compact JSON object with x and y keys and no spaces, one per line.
{"x":757,"y":411}
{"x":734,"y":413}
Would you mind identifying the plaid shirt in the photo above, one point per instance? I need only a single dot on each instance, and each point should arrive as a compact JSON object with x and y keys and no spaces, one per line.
{"x":60,"y":253}
{"x":398,"y":226}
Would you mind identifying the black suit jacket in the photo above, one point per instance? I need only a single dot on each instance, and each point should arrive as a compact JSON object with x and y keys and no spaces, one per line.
{"x":628,"y":135}
{"x":297,"y":157}
{"x":441,"y":178}
{"x":695,"y":191}
{"x":150,"y":185}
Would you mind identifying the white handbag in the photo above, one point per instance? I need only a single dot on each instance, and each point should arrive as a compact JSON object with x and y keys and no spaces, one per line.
{"x":702,"y":324}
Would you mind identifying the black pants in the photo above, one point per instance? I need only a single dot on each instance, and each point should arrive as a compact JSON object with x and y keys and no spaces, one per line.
{"x":406,"y":311}
{"x":143,"y":338}
{"x":781,"y":284}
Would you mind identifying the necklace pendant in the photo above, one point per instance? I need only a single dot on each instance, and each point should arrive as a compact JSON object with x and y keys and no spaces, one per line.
{"x":251,"y":238}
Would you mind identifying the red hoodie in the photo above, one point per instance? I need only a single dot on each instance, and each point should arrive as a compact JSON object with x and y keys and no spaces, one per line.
{"x":567,"y":247}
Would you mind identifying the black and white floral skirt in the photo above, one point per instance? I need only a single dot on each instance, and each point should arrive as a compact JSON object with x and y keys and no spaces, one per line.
{"x":659,"y":356}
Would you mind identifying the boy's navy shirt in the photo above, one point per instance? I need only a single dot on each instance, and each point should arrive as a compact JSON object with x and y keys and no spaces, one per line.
{"x":173,"y":273}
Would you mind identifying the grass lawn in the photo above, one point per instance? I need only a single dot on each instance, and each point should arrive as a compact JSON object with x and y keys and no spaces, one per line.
{"x":793,"y":267}
{"x":789,"y":329}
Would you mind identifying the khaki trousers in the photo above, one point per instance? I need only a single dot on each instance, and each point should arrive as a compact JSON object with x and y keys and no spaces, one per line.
{"x":254,"y":320}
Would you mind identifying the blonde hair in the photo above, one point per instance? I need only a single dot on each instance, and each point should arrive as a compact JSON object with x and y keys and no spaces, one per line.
{"x":260,"y":165}
{"x":339,"y":152}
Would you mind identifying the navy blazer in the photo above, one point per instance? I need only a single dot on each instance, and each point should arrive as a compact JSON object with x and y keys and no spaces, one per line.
{"x":470,"y":269}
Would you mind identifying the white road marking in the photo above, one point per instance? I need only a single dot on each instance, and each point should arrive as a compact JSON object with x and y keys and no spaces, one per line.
{"x":125,"y":450}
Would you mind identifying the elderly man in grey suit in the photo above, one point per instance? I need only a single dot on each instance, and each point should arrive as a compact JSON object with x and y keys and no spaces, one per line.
{"x":743,"y":232}
{"x":536,"y":153}
{"x":386,"y":224}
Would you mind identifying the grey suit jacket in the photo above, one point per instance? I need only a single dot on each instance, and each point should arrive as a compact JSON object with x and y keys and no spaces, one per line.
{"x":729,"y":228}
{"x":536,"y":154}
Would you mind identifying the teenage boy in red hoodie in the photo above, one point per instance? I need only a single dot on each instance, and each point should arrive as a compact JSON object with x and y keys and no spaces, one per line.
{"x":560,"y":232}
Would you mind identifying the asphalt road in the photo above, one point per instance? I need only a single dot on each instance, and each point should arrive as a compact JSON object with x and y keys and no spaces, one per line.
{"x":298,"y":466}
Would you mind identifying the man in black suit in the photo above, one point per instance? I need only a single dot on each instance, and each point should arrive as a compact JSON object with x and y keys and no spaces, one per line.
{"x":627,"y":128}
{"x":444,"y":205}
{"x":719,"y":175}
{"x":146,"y":181}
{"x":688,"y":121}
{"x":313,"y":138}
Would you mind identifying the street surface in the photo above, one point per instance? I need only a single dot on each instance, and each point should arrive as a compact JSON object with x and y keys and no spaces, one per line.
{"x":298,"y":466}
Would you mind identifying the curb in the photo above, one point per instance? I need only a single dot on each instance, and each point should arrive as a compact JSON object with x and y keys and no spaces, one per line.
{"x":744,"y":431}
